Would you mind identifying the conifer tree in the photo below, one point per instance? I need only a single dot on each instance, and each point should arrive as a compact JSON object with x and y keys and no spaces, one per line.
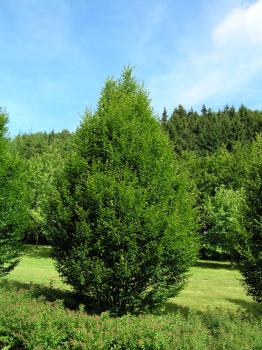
{"x":122,"y":222}
{"x":251,"y":265}
{"x":12,"y":203}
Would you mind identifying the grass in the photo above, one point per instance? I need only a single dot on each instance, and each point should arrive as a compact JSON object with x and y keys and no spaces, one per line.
{"x":36,"y":266}
{"x":214,"y":284}
{"x":38,"y":311}
{"x":211,"y":284}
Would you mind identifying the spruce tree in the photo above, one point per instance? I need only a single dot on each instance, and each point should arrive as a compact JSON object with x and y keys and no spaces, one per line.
{"x":164,"y":118}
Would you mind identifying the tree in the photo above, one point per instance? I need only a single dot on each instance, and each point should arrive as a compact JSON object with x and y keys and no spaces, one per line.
{"x":251,"y":265}
{"x":225,"y":222}
{"x":164,"y":117}
{"x":12,"y":203}
{"x":219,"y":178}
{"x":43,"y":155}
{"x":41,"y":172}
{"x":208,"y":131}
{"x":122,"y":223}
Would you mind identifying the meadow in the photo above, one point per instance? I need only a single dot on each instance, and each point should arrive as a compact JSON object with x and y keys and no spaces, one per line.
{"x":211,"y":284}
{"x":38,"y":311}
{"x":129,"y":203}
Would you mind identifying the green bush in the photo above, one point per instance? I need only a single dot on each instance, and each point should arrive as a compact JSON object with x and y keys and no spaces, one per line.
{"x":31,"y":324}
{"x":12,"y":203}
{"x":122,"y":223}
{"x":251,"y":266}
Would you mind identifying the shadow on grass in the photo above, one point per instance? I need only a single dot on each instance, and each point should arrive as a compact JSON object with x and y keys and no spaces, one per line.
{"x":250,"y":306}
{"x":70,"y":300}
{"x":214,"y":265}
{"x":37,"y":252}
{"x":174,"y":308}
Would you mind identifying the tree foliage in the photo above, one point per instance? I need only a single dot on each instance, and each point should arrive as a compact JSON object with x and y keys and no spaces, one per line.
{"x":43,"y":155}
{"x":12,"y":203}
{"x":122,"y":223}
{"x":251,"y":266}
{"x":214,"y":173}
{"x":207,"y":131}
{"x":225,"y":232}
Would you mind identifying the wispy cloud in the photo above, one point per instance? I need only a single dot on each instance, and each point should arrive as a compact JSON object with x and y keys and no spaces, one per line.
{"x":56,"y":54}
{"x":241,"y":27}
{"x":233,"y":59}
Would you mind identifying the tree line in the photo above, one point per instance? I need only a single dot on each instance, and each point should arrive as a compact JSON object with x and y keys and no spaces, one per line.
{"x":129,"y":202}
{"x":208,"y":131}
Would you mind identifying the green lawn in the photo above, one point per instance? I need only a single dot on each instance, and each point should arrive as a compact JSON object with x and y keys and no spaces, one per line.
{"x":211,"y":284}
{"x":36,"y":266}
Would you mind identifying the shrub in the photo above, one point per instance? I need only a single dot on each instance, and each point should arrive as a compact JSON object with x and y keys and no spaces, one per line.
{"x":121,"y":221}
{"x":12,"y":203}
{"x":251,"y":266}
{"x":26,"y":323}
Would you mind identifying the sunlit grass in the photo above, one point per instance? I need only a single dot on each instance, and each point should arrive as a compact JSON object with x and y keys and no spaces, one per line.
{"x":210,"y":285}
{"x":36,"y":266}
{"x":214,"y":284}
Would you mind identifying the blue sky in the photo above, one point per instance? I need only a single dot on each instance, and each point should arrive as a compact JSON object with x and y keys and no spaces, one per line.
{"x":56,"y":55}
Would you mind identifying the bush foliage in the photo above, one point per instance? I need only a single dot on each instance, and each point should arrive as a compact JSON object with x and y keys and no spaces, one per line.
{"x":30,"y":324}
{"x":122,"y":222}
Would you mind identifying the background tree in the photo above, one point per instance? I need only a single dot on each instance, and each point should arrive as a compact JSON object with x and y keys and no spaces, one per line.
{"x":211,"y":172}
{"x":122,"y":222}
{"x":41,"y":173}
{"x":225,"y":232}
{"x":164,"y":116}
{"x":208,"y":131}
{"x":43,"y":155}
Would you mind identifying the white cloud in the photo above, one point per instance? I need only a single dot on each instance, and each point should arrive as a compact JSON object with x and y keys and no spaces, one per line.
{"x":225,"y":70}
{"x":242,"y":26}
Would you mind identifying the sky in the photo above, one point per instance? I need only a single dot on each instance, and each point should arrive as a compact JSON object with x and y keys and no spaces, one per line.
{"x":57,"y":54}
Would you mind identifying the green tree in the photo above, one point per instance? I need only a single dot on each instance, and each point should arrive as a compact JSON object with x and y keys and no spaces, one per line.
{"x":221,"y":169}
{"x":225,"y":232}
{"x":12,"y":203}
{"x":41,"y":173}
{"x":43,"y":155}
{"x":122,"y":222}
{"x":208,"y":131}
{"x":251,"y":266}
{"x":164,"y":117}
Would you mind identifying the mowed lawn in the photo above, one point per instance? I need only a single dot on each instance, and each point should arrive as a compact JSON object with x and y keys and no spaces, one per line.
{"x":211,"y":284}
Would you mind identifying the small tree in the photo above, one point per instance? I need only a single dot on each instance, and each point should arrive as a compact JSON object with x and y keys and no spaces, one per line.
{"x":225,"y":222}
{"x":122,"y":223}
{"x":41,"y":173}
{"x":12,"y":204}
{"x":251,"y":265}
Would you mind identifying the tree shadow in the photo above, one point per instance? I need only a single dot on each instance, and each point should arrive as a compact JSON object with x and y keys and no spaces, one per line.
{"x":174,"y":308}
{"x":214,"y":265}
{"x":250,"y":306}
{"x":70,"y":299}
{"x":37,"y":252}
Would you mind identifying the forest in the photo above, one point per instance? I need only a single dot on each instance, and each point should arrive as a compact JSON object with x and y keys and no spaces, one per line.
{"x":129,"y":203}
